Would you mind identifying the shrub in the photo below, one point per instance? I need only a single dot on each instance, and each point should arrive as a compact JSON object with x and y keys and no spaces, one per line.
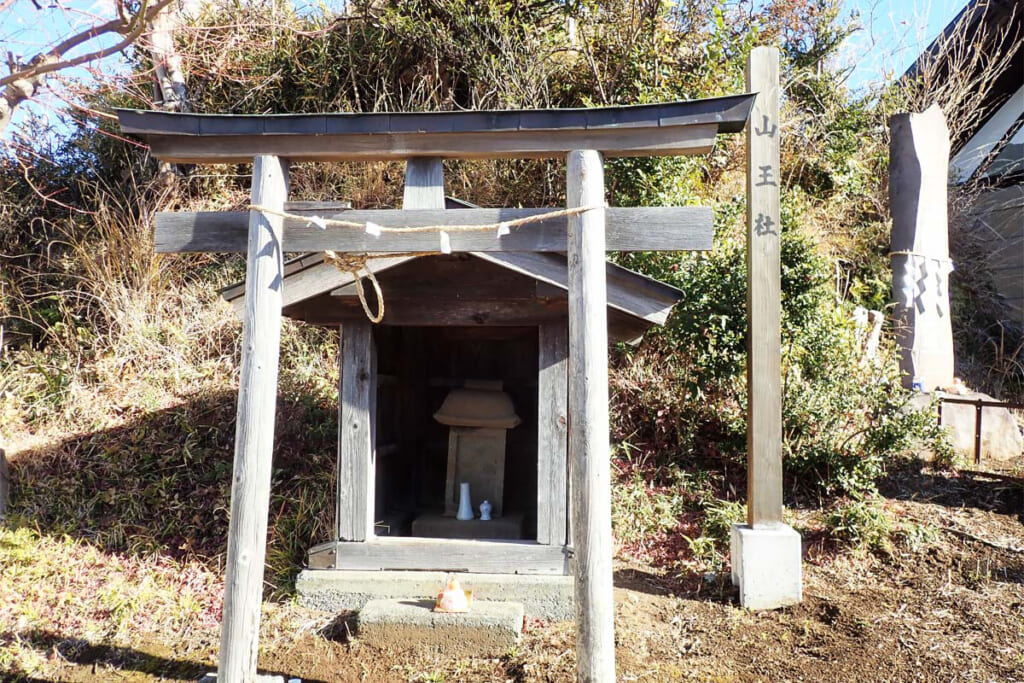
{"x":844,"y":416}
{"x":863,"y":523}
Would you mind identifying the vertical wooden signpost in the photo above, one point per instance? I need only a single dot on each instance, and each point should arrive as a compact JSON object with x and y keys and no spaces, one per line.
{"x":254,"y":430}
{"x":588,"y":421}
{"x":764,"y":390}
{"x":765,"y":552}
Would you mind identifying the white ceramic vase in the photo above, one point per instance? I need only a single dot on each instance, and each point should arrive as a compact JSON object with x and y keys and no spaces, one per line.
{"x":485,"y":511}
{"x":465,"y":505}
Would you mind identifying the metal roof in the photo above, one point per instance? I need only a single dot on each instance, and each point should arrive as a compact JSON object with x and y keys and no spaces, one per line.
{"x":682,"y":127}
{"x":729,"y":113}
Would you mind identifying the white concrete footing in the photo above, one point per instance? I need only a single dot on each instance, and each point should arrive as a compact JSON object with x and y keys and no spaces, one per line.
{"x":766,"y":565}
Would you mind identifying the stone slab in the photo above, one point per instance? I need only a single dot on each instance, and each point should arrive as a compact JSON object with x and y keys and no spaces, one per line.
{"x":489,"y":628}
{"x":766,"y":566}
{"x":548,"y":597}
{"x":1001,"y":437}
{"x":433,"y":525}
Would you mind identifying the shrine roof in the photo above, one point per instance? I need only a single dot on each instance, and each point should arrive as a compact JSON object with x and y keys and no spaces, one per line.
{"x":315,"y":289}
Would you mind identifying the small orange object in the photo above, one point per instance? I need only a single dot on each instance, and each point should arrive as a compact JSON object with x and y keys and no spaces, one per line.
{"x":453,"y":598}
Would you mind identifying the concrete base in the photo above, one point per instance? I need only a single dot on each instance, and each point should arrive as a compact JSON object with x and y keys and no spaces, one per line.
{"x":766,"y":565}
{"x":260,"y":678}
{"x":335,"y":590}
{"x":489,"y":628}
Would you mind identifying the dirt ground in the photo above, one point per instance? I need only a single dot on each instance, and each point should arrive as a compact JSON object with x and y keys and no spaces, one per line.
{"x":949,"y":607}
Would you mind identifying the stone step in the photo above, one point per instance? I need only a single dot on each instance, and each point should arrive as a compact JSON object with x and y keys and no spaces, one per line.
{"x":488,"y":629}
{"x":545,"y":596}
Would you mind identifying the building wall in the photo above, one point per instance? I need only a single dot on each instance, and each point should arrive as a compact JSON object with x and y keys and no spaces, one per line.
{"x":998,"y":224}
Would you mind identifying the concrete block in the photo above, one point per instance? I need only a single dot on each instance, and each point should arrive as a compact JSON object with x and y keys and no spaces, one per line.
{"x":260,"y":678}
{"x":334,"y":590}
{"x":489,"y":628}
{"x":766,"y":565}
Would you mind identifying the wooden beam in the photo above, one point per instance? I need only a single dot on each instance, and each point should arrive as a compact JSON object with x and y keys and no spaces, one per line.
{"x":636,"y":296}
{"x":552,"y":432}
{"x":588,"y":422}
{"x":357,"y":432}
{"x":254,"y":429}
{"x":438,"y":554}
{"x":530,"y":144}
{"x":654,"y":228}
{"x":438,"y":312}
{"x":764,"y":357}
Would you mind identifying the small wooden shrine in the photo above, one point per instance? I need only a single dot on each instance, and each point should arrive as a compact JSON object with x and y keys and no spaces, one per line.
{"x":452,"y":321}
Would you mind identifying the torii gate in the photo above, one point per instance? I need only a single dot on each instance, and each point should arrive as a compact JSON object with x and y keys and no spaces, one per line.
{"x":765,"y":565}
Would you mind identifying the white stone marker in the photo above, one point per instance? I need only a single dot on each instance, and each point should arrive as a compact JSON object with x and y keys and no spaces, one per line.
{"x":918,"y":163}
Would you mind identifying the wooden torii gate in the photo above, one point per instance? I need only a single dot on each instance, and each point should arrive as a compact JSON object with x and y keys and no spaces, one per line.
{"x":585,"y":232}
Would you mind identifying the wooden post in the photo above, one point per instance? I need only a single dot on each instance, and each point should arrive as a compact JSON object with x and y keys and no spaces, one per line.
{"x":764,"y":365}
{"x":424,"y":184}
{"x":357,"y":433}
{"x":552,"y":433}
{"x":588,"y":421}
{"x":254,"y":430}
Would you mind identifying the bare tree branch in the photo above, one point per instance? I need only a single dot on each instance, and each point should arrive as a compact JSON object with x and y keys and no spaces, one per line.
{"x":26,"y":79}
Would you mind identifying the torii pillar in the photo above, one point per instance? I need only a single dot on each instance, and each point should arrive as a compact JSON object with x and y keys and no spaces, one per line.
{"x":765,"y":551}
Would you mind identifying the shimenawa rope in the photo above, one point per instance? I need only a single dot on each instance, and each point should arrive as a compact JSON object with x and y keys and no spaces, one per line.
{"x":354,"y":263}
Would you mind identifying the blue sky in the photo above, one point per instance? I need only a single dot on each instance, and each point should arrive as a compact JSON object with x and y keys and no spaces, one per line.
{"x":894,"y":32}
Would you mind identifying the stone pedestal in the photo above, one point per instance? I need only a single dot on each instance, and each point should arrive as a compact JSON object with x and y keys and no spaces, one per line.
{"x":475,"y":456}
{"x":766,"y":565}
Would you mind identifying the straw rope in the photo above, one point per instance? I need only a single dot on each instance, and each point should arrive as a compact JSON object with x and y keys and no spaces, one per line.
{"x":515,"y":223}
{"x":355,"y":263}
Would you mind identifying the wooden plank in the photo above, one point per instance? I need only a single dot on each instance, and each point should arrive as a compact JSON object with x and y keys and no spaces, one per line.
{"x":764,"y":357}
{"x":652,"y":228}
{"x":254,"y":428}
{"x":552,"y":432}
{"x":520,"y":144}
{"x":458,"y":276}
{"x":627,"y":291}
{"x":395,"y":552}
{"x":319,"y":279}
{"x":356,"y":432}
{"x":588,"y":422}
{"x":483,"y":315}
{"x":441,"y":312}
{"x":291,"y":267}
